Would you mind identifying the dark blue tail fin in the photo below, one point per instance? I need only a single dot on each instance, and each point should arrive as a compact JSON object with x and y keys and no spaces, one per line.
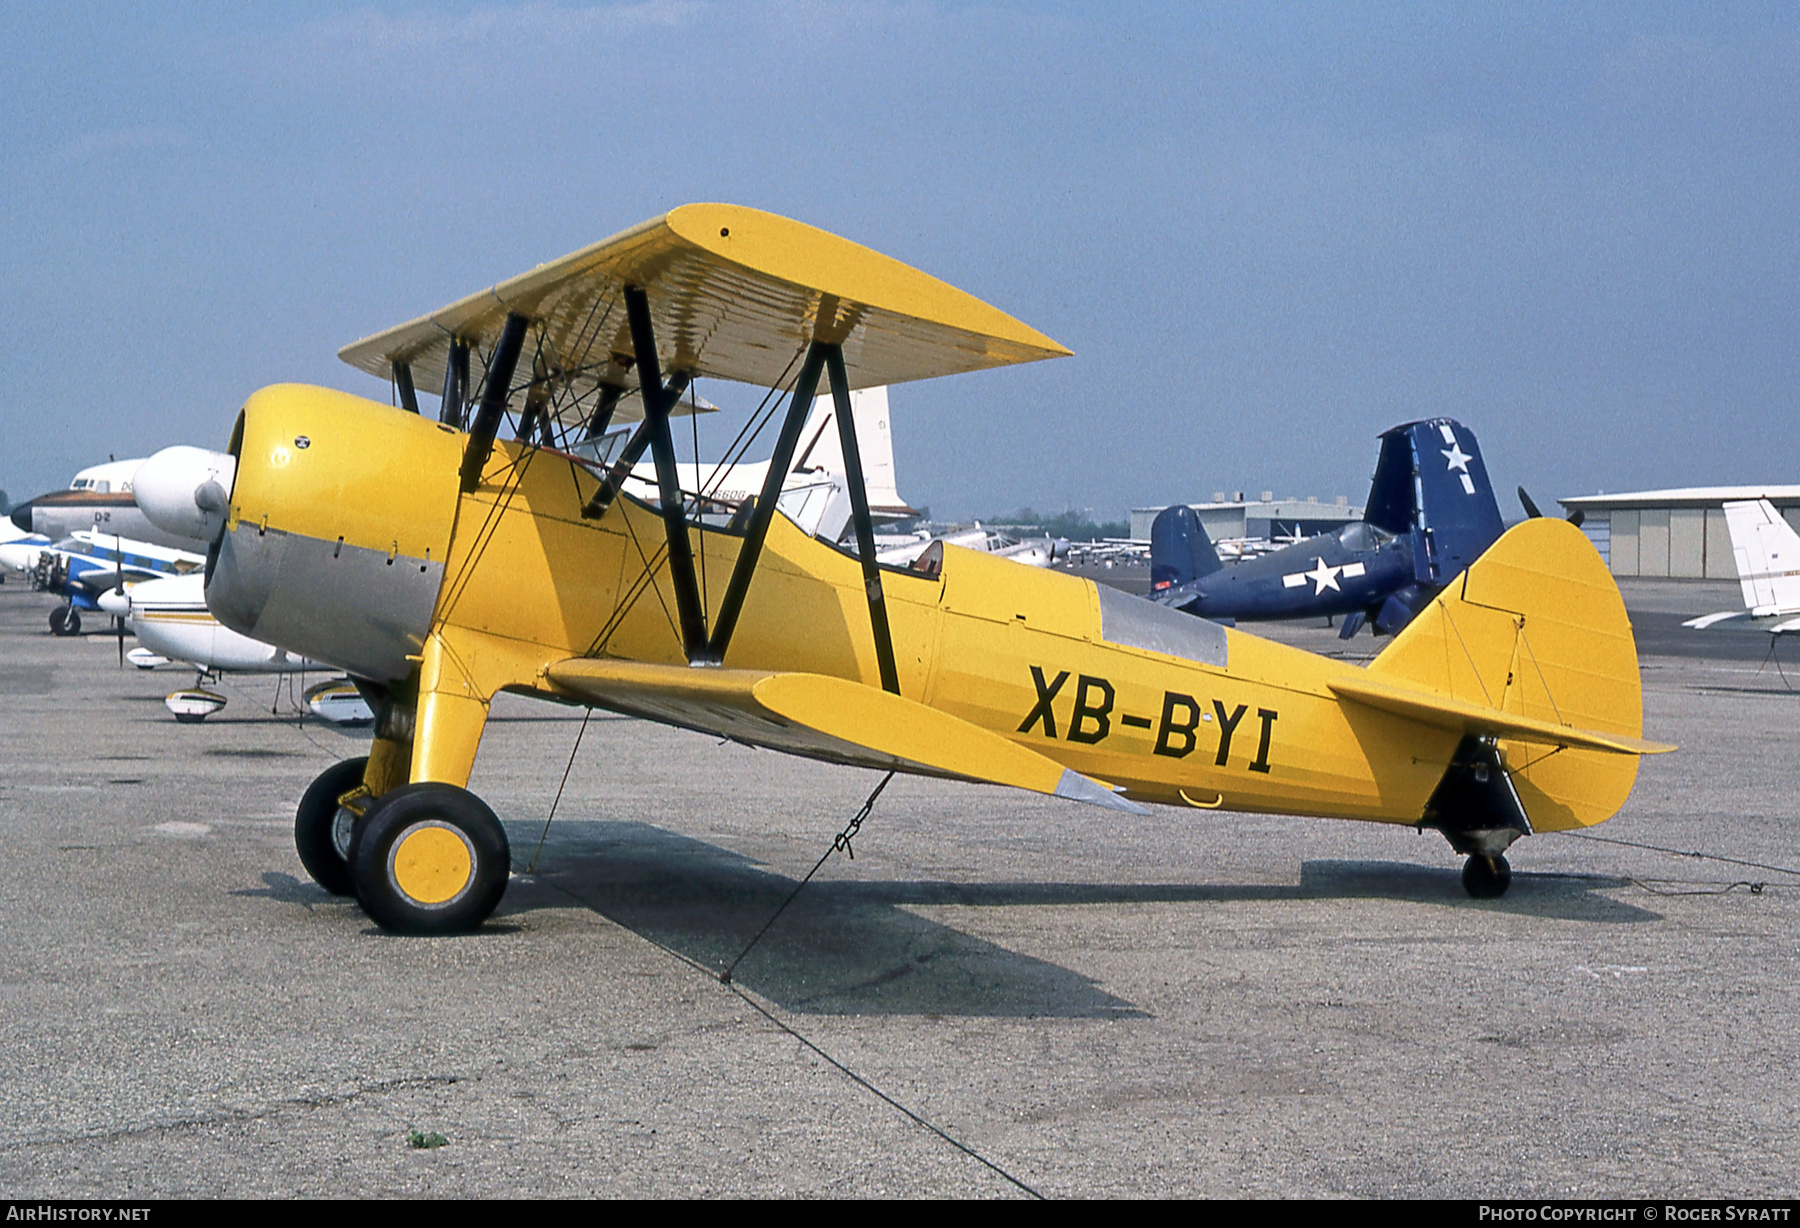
{"x":1430,"y":484}
{"x":1180,"y":551}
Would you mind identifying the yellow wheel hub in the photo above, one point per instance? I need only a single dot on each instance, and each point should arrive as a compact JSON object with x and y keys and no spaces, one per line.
{"x":432,"y":863}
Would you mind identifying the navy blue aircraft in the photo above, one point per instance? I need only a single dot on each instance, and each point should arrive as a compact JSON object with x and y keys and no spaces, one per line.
{"x":1431,"y":513}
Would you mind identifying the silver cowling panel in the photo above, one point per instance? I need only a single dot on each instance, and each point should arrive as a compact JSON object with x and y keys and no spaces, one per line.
{"x":357,"y":609}
{"x":1135,"y":622}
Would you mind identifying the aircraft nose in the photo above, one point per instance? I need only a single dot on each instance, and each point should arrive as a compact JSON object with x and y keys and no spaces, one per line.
{"x":115,"y":601}
{"x":18,"y":558}
{"x":186,"y":491}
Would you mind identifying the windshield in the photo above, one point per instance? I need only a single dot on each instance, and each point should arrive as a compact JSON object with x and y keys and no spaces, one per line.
{"x":1363,"y":536}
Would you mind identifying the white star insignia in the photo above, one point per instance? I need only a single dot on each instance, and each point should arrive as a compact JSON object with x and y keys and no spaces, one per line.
{"x":1457,"y":457}
{"x":1323,"y":577}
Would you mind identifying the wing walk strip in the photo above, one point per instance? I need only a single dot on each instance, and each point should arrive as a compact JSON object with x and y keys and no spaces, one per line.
{"x":825,"y":718}
{"x":1446,"y":712}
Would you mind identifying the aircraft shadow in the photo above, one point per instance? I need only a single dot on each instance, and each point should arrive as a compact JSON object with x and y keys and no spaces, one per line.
{"x":842,"y":948}
{"x":852,"y":947}
{"x":1554,"y":897}
{"x":1558,"y":897}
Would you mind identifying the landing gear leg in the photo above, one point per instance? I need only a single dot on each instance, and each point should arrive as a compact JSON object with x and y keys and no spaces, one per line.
{"x":65,"y":620}
{"x":1486,"y":878}
{"x":1479,"y":812}
{"x":429,"y":857}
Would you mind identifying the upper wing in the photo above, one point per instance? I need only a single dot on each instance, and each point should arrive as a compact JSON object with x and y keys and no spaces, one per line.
{"x":824,"y":718}
{"x":735,"y":294}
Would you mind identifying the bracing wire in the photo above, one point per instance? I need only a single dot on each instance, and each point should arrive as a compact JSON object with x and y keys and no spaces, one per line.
{"x":842,"y":841}
{"x":557,"y":801}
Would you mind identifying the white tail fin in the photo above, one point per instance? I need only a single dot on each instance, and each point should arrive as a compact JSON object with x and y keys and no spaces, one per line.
{"x":821,"y":451}
{"x":1767,"y":551}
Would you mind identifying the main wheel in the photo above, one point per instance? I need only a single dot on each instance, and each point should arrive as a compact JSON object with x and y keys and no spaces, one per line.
{"x":322,"y":828}
{"x":1486,"y":878}
{"x":65,"y":620}
{"x":429,"y":859}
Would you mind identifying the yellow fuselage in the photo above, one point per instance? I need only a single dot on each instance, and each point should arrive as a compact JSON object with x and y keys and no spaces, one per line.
{"x":358,"y":548}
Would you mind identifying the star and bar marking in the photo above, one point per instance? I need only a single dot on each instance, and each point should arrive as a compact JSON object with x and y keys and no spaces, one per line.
{"x":1324,"y":576}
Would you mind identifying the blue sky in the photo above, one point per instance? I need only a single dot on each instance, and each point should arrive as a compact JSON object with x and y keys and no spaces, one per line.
{"x":1267,"y":232}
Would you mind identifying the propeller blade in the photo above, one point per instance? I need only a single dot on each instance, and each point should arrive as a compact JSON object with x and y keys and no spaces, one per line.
{"x":119,"y":583}
{"x":1531,"y":509}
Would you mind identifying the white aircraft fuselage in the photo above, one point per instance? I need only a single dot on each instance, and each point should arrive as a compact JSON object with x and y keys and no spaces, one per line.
{"x":170,"y":618}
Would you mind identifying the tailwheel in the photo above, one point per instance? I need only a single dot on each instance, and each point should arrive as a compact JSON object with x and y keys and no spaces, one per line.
{"x":429,"y":859}
{"x":65,"y":620}
{"x":323,"y":826}
{"x":1486,"y":878}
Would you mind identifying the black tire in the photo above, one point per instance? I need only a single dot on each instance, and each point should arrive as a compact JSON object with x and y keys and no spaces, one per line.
{"x":1486,"y":878}
{"x":65,"y":620}
{"x":412,"y":881}
{"x":322,"y":828}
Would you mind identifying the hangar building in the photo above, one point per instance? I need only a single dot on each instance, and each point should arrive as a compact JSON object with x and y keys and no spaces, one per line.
{"x":1266,"y":517}
{"x":1672,"y":532}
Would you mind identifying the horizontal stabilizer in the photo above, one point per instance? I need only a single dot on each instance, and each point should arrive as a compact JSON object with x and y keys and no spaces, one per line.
{"x":1480,"y":720}
{"x":825,"y":718}
{"x":1745,"y":620}
{"x":1713,"y":620}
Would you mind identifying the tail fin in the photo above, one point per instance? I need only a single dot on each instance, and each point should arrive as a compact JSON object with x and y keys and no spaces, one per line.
{"x":1180,"y":551}
{"x":821,"y":449}
{"x":1430,"y":482}
{"x":1767,"y":551}
{"x":1531,"y":646}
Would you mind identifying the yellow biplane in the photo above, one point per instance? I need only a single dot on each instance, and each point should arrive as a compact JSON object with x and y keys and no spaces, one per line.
{"x":442,"y":564}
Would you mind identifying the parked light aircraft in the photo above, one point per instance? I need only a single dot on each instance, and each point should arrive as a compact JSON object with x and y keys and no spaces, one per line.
{"x":448,"y":565}
{"x":171,"y":621}
{"x":1431,"y":512}
{"x":86,"y":565}
{"x":914,"y":550}
{"x":1767,"y":552}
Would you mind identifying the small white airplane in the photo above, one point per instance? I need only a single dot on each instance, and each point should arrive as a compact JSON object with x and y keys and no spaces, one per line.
{"x":171,"y":622}
{"x":84,"y":566}
{"x":1767,"y":552}
{"x":1033,"y":552}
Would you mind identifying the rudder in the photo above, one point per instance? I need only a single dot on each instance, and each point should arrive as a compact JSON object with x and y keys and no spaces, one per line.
{"x":1180,"y":551}
{"x":821,"y":449}
{"x":1767,"y":553}
{"x":1536,"y":627}
{"x":1431,"y":484}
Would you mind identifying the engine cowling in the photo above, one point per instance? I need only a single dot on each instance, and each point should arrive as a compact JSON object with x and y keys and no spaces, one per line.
{"x":339,"y":517}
